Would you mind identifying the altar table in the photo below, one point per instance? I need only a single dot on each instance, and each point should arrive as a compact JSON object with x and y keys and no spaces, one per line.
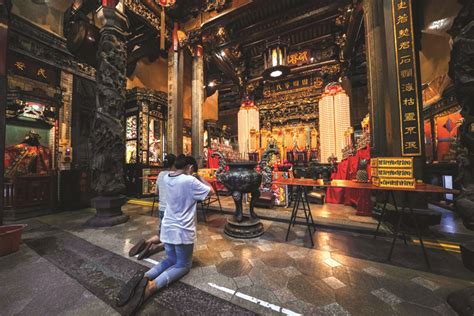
{"x":302,"y":197}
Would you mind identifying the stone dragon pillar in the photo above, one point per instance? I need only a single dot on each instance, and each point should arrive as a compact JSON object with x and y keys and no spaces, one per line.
{"x":461,"y":70}
{"x":108,"y":133}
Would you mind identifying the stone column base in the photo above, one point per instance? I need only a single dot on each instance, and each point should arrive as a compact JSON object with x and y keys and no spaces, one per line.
{"x":246,"y":229}
{"x":108,"y":211}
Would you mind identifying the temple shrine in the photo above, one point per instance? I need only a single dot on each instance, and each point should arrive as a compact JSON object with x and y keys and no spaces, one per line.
{"x":329,"y":133}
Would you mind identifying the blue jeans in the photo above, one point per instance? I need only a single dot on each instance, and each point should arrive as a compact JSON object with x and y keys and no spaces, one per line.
{"x":177,"y":263}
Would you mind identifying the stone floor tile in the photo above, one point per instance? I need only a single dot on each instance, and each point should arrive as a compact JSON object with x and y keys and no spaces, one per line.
{"x":195,"y":272}
{"x":404,"y":289}
{"x":430,"y":285}
{"x":444,"y":310}
{"x":407,"y":308}
{"x":296,"y":254}
{"x":291,"y":271}
{"x":361,"y":281}
{"x":332,"y":263}
{"x":277,"y":259}
{"x":374,"y":272}
{"x":209,"y":270}
{"x":265,"y":247}
{"x":267,"y":278}
{"x":200,"y":247}
{"x":361,"y":302}
{"x":300,"y":233}
{"x":334,"y":283}
{"x":300,"y":307}
{"x":284,"y":295}
{"x":207,"y":257}
{"x":305,"y":290}
{"x":314,"y":268}
{"x":386,"y":296}
{"x":216,"y":237}
{"x":226,"y":254}
{"x":326,"y":248}
{"x":242,"y":281}
{"x":332,"y":309}
{"x":256,"y":263}
{"x":234,"y":267}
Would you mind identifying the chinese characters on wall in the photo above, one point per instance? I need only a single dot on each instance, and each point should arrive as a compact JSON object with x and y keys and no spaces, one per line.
{"x":410,"y":121}
{"x":23,"y":66}
{"x":283,"y":87}
{"x":299,"y":57}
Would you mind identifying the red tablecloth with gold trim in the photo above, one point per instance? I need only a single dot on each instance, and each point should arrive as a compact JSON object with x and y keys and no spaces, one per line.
{"x":347,"y":170}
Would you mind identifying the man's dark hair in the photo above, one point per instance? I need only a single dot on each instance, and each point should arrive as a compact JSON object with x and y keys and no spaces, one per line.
{"x":180,"y":163}
{"x":169,"y":161}
{"x":191,"y":161}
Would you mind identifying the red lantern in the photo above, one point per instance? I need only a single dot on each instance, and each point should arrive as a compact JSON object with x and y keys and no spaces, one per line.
{"x":166,"y":3}
{"x":109,"y":3}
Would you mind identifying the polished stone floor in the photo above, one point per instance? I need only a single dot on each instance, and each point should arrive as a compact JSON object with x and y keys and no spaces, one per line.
{"x":66,"y":268}
{"x":331,"y":215}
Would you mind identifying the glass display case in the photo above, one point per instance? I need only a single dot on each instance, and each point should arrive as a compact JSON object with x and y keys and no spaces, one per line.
{"x":145,"y":134}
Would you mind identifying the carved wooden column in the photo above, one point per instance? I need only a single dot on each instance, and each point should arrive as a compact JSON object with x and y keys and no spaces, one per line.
{"x":376,"y":58}
{"x":5,"y":7}
{"x":197,"y":103}
{"x":394,"y":82}
{"x":175,"y":97}
{"x":108,"y":133}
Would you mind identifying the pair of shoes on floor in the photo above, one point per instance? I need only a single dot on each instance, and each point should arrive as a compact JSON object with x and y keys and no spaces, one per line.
{"x":132,"y":294}
{"x":151,"y":249}
{"x":139,"y":247}
{"x":145,"y":249}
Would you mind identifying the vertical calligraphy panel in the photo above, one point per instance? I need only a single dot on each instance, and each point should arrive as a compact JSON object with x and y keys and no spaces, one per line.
{"x":407,"y":81}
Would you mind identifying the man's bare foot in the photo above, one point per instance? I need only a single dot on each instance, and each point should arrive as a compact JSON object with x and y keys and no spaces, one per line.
{"x":150,"y":289}
{"x":154,"y":240}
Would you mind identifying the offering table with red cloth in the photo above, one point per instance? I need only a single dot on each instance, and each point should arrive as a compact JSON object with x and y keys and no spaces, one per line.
{"x":347,"y":170}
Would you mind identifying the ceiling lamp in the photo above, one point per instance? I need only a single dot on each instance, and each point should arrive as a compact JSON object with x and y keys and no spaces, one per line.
{"x":275,"y":60}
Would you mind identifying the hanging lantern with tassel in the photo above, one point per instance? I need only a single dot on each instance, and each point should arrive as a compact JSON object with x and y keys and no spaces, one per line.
{"x":275,"y":60}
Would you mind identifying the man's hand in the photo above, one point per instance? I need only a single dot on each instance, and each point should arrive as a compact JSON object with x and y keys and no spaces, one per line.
{"x":206,"y":183}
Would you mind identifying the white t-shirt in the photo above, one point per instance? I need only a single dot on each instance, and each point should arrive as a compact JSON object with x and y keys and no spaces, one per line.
{"x":179,"y":223}
{"x":162,"y":189}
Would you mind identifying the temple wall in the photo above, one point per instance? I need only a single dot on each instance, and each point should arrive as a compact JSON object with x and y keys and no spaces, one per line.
{"x":210,"y":107}
{"x":150,"y":75}
{"x":435,"y":48}
{"x":48,"y":16}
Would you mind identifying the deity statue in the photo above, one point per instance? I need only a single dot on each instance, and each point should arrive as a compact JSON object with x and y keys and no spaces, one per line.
{"x":28,"y":157}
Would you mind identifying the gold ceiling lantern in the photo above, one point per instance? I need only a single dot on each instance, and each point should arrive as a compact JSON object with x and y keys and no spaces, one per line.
{"x":275,"y":60}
